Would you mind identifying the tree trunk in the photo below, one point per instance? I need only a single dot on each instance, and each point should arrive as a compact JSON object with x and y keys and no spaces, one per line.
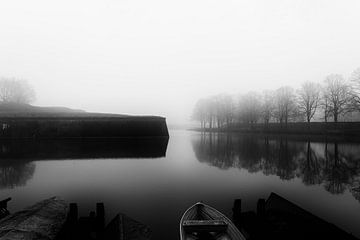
{"x":325,"y":116}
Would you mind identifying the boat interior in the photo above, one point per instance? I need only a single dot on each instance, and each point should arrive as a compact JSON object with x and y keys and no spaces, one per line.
{"x":201,"y":225}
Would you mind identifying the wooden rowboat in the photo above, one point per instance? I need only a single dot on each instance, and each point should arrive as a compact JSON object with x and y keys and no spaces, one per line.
{"x":201,"y":221}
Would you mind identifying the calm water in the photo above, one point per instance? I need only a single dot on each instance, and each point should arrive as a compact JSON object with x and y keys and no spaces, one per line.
{"x":136,"y":178}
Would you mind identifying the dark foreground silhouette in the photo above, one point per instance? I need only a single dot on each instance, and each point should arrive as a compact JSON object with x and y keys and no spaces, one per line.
{"x":278,"y":218}
{"x":52,"y":219}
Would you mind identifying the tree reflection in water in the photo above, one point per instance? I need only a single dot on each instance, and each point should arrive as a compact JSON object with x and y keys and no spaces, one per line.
{"x":335,"y":165}
{"x":15,"y":174}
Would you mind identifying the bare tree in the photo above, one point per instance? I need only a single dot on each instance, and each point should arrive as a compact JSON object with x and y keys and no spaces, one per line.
{"x":284,"y":104}
{"x":211,"y":112}
{"x":355,"y":78}
{"x":355,"y":84}
{"x":250,"y":108}
{"x":308,"y":99}
{"x":267,"y":106}
{"x":17,"y":91}
{"x":228,"y":109}
{"x":324,"y":104}
{"x":206,"y":111}
{"x":199,"y":112}
{"x":338,"y":95}
{"x":219,"y":109}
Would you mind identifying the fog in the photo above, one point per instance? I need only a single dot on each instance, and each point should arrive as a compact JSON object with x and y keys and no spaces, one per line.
{"x":158,"y":57}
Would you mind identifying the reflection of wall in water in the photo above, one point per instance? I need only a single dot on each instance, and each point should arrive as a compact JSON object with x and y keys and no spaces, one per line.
{"x":336,"y":166}
{"x":80,"y":149}
{"x":16,"y":167}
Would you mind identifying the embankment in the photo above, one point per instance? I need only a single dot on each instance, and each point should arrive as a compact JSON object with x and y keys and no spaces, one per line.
{"x":24,"y":121}
{"x":82,"y":127}
{"x":349,"y":129}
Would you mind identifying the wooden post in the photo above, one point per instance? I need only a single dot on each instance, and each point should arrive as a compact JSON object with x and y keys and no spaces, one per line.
{"x":3,"y":208}
{"x":73,"y":214}
{"x":3,"y":203}
{"x":261,"y":207}
{"x":91,"y":227}
{"x":237,"y":210}
{"x":100,"y":216}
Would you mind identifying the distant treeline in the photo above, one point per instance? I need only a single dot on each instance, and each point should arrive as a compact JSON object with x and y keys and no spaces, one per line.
{"x":345,"y":130}
{"x":333,"y":100}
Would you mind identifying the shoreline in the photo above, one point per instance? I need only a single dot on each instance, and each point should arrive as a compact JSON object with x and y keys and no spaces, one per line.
{"x":349,"y":131}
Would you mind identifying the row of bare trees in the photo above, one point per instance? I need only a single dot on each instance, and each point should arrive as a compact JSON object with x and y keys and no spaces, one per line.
{"x":16,"y":91}
{"x":331,"y":100}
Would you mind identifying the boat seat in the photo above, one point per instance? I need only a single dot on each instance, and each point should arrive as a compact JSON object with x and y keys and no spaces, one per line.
{"x":204,"y":225}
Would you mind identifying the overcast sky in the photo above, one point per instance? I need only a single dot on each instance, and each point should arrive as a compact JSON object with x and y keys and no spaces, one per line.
{"x":159,"y":56}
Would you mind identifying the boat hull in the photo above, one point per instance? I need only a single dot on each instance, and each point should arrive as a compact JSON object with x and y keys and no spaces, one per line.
{"x":201,"y":221}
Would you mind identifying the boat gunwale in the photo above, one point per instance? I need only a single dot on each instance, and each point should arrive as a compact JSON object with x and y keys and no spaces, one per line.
{"x":182,"y":218}
{"x":227,"y":220}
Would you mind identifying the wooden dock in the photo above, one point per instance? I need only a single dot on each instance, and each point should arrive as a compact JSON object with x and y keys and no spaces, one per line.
{"x":54,"y":219}
{"x":278,"y":218}
{"x":3,"y":208}
{"x":43,"y":220}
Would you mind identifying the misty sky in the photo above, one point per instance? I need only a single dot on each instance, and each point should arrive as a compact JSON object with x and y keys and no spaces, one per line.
{"x":159,"y":56}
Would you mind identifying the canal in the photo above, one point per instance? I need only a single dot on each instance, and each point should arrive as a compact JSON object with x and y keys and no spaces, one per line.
{"x":155,"y":181}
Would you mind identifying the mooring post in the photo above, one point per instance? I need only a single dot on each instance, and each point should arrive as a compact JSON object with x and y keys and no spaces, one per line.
{"x":73,"y":214}
{"x":261,"y":207}
{"x":3,"y":203}
{"x":100,"y":216}
{"x":237,"y":211}
{"x":3,"y":208}
{"x":92,"y":220}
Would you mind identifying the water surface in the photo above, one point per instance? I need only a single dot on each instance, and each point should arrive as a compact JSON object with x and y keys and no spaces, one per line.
{"x":154,"y":181}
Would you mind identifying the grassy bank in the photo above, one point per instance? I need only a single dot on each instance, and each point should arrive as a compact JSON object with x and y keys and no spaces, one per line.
{"x":351,"y":129}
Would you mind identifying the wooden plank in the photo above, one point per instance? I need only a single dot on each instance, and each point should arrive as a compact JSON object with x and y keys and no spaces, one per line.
{"x":205,"y":226}
{"x":43,"y":220}
{"x":200,"y":211}
{"x":203,"y":222}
